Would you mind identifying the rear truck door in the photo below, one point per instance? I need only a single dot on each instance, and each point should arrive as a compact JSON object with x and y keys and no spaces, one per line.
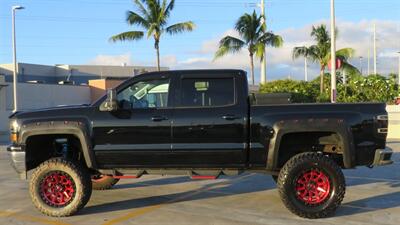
{"x":139,"y":133}
{"x":210,"y":120}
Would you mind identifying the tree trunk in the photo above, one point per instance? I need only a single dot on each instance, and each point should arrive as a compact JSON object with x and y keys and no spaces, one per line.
{"x":322,"y":74}
{"x":157,"y":47}
{"x":252,"y":68}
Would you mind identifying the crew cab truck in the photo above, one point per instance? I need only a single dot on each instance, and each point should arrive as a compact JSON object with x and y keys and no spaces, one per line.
{"x":201,"y":123}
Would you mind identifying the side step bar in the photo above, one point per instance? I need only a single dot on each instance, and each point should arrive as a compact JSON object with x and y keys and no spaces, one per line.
{"x":195,"y":174}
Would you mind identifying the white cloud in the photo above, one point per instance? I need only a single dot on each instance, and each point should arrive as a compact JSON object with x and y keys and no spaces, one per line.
{"x":357,"y":35}
{"x":112,"y":60}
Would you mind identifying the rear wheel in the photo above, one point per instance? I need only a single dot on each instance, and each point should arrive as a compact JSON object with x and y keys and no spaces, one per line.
{"x":311,"y":185}
{"x":103,"y":182}
{"x":60,"y":187}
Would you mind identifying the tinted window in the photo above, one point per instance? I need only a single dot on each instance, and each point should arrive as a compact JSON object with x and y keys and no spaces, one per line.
{"x":145,"y":94}
{"x":207,"y":92}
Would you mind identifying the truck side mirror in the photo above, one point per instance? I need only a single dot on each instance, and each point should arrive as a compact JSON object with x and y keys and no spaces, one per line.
{"x":111,"y":102}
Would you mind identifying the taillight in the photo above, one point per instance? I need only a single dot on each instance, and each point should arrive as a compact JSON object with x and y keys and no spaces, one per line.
{"x":382,"y":122}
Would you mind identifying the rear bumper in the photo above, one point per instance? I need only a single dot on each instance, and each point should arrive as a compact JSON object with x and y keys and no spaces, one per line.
{"x":18,"y":159}
{"x":383,"y":157}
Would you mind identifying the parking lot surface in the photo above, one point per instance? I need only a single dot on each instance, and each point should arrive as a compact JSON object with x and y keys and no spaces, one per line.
{"x":372,"y":197}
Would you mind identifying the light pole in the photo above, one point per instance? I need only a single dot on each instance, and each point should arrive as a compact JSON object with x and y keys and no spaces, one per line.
{"x":375,"y":51}
{"x":398,"y":76}
{"x":333,"y":53}
{"x":263,"y":79}
{"x":361,"y":69}
{"x":305,"y":69}
{"x":15,"y":80}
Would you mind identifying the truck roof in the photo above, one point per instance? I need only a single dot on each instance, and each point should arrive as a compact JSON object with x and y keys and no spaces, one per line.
{"x":198,"y":71}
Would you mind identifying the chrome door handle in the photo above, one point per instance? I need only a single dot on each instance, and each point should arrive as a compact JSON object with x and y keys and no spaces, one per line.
{"x":158,"y":118}
{"x":230,"y":117}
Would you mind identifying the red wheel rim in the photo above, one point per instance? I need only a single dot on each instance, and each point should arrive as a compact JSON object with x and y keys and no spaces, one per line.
{"x":57,"y":189}
{"x":313,"y":187}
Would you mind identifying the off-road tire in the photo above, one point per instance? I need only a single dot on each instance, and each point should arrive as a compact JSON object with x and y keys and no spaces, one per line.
{"x":288,"y":178}
{"x":77,"y":174}
{"x":105,"y":182}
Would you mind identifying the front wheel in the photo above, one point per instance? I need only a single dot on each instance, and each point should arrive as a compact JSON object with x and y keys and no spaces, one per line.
{"x":60,"y":187}
{"x":311,"y":185}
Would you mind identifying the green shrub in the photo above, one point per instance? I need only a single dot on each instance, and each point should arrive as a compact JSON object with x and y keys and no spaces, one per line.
{"x":373,"y":88}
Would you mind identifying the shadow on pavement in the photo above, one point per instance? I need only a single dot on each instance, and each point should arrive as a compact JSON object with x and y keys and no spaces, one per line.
{"x":250,"y":183}
{"x":164,"y":181}
{"x":225,"y":188}
{"x":371,"y":204}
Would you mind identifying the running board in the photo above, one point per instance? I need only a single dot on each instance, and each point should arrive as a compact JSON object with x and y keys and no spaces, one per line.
{"x":196,"y":174}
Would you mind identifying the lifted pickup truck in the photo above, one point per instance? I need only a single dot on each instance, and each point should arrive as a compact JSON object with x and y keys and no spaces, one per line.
{"x":202,"y":123}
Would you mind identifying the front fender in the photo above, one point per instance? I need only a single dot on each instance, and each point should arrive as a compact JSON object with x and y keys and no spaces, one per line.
{"x":76,"y":127}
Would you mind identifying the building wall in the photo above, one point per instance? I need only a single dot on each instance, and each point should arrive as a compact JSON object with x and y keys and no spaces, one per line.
{"x":394,"y":121}
{"x":98,"y":87}
{"x":79,"y":74}
{"x":3,"y":86}
{"x":29,"y":72}
{"x":34,"y":96}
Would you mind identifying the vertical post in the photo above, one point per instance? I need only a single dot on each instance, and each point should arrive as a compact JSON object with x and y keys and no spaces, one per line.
{"x":15,"y":80}
{"x":305,"y":69}
{"x":369,"y":58}
{"x":263,"y":78}
{"x":333,"y":53}
{"x":375,"y":58}
{"x":361,"y":67}
{"x":398,"y":76}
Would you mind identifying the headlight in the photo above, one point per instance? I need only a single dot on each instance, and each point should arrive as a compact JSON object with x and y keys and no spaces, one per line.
{"x":14,"y":129}
{"x":14,"y":126}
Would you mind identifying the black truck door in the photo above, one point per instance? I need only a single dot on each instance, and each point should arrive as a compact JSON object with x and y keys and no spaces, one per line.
{"x":209,"y":128}
{"x":139,"y":133}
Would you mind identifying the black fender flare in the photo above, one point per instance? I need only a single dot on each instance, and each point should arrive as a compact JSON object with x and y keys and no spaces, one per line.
{"x":335,"y":125}
{"x":77,"y":128}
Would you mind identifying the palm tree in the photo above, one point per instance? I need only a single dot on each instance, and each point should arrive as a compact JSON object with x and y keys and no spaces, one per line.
{"x":153,"y":17}
{"x":320,"y":52}
{"x":252,"y":36}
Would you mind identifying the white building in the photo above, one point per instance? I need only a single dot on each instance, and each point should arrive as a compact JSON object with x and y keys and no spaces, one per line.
{"x":72,"y":74}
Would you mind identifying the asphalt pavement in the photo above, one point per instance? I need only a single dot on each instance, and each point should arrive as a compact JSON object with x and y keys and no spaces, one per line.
{"x":372,"y":197}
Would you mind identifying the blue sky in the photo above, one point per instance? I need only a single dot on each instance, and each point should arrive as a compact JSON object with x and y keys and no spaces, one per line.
{"x":77,"y":31}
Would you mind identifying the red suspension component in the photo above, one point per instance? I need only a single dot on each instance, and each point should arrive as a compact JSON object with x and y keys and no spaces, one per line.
{"x":198,"y":177}
{"x":126,"y":177}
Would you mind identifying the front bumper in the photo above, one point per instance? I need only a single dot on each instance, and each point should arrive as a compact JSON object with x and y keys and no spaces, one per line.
{"x":383,"y":157}
{"x":18,"y":159}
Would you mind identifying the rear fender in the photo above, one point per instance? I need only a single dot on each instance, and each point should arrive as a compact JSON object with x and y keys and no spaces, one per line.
{"x":334,"y":125}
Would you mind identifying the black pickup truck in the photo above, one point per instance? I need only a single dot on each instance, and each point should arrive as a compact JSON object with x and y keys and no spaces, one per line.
{"x":201,"y":123}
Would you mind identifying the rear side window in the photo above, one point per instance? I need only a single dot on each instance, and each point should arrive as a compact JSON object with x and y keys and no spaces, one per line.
{"x":207,"y":92}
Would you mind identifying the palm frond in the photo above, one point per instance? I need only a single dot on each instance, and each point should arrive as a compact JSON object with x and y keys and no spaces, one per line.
{"x":271,"y":39}
{"x":127,"y":36}
{"x":244,"y":26}
{"x":345,"y":53}
{"x":350,"y":69}
{"x":169,"y":8}
{"x":180,"y":27}
{"x":227,"y":45}
{"x":302,"y":51}
{"x":135,"y":19}
{"x":142,"y":8}
{"x":259,"y":50}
